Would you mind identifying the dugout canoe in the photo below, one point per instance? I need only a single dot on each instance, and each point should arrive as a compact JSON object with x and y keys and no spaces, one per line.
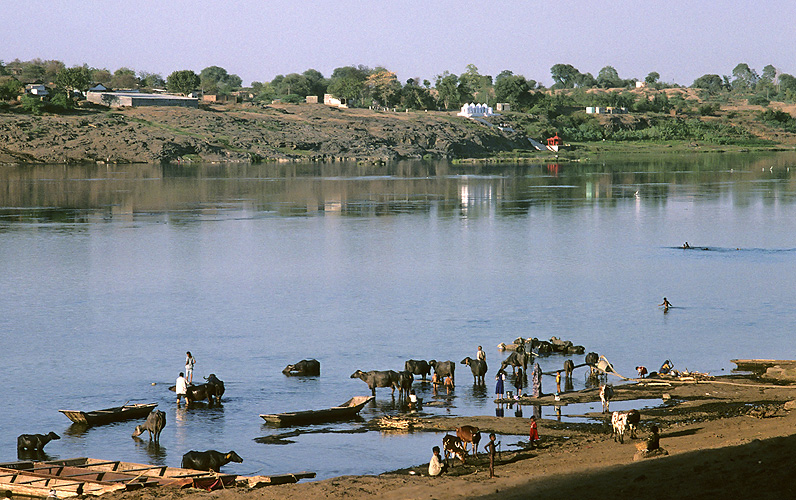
{"x":347,"y":410}
{"x":108,"y":415}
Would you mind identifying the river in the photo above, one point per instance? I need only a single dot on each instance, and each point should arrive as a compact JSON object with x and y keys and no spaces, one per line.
{"x":110,"y":273}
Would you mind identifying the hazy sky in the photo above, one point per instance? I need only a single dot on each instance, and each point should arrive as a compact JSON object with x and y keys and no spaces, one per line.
{"x":260,"y":39}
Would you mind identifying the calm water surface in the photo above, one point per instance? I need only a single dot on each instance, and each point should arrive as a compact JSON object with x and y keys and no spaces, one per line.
{"x":109,"y":274}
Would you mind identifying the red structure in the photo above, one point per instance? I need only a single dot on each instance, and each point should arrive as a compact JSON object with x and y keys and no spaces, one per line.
{"x":555,"y":141}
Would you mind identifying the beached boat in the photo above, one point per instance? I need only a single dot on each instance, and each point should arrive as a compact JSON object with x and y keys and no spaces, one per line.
{"x":30,"y":483}
{"x":349,"y":409}
{"x":108,"y":415}
{"x":129,"y":473}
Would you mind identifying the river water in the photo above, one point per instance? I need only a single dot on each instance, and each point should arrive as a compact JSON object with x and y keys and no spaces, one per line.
{"x":109,"y":274}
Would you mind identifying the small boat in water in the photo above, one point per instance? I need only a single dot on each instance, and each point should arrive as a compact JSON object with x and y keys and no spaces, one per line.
{"x":108,"y":415}
{"x":349,"y":409}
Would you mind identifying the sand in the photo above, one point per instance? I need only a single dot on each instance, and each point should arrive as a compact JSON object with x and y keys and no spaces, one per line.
{"x":732,"y":436}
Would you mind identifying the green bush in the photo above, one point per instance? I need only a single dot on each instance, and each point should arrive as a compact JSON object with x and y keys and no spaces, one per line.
{"x":32,"y":105}
{"x":758,"y":100}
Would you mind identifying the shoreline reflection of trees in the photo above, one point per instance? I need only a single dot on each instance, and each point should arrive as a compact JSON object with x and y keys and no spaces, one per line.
{"x":79,"y":194}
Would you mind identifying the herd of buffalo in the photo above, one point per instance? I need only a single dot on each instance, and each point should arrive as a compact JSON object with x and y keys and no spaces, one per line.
{"x":213,"y":389}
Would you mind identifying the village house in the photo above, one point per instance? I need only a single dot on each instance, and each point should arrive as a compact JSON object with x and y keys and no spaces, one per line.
{"x":37,"y":89}
{"x":121,"y":99}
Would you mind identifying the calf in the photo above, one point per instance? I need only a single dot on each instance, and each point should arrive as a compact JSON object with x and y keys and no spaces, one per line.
{"x":210,"y":460}
{"x":618,"y":426}
{"x":606,"y":393}
{"x":453,"y":446}
{"x":469,"y":434}
{"x":35,"y":442}
{"x":405,"y":379}
{"x":633,"y":419}
{"x":155,"y":422}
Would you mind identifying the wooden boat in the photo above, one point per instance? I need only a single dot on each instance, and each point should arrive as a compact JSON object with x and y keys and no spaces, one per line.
{"x":349,"y":409}
{"x":130,"y":472}
{"x":34,"y":484}
{"x":108,"y":415}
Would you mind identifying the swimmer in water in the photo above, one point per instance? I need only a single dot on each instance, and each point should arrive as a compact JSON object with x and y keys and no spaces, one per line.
{"x":666,"y":305}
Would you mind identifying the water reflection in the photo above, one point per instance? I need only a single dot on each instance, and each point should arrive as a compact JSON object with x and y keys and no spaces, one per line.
{"x":81,"y":194}
{"x":154,"y":451}
{"x":35,"y":455}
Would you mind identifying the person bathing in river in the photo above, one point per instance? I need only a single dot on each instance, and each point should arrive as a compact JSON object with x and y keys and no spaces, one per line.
{"x":189,"y":362}
{"x":666,"y":305}
{"x":448,"y":382}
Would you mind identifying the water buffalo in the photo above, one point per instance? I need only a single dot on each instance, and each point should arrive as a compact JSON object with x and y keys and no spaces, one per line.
{"x":215,"y":388}
{"x":569,"y":367}
{"x":418,"y":367}
{"x":406,"y":379}
{"x":35,"y":442}
{"x":375,"y":378}
{"x":307,"y":367}
{"x":210,"y":460}
{"x":443,"y":368}
{"x":155,"y":422}
{"x":478,"y":367}
{"x":517,"y":359}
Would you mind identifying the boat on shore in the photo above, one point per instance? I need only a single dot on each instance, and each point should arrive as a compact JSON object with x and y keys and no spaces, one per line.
{"x":347,"y":410}
{"x":108,"y":415}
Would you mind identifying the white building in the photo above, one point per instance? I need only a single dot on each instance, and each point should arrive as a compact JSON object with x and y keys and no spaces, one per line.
{"x":471,"y":110}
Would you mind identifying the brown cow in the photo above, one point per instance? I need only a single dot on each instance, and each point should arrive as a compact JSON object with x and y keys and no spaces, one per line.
{"x":469,"y":434}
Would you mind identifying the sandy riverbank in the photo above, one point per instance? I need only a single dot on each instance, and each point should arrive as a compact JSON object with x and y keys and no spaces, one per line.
{"x":733,"y":435}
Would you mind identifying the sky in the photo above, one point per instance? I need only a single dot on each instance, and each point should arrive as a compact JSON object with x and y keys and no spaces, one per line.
{"x":259,"y":39}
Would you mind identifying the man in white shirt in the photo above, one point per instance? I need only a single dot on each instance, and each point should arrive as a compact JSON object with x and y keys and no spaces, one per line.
{"x":182,"y":389}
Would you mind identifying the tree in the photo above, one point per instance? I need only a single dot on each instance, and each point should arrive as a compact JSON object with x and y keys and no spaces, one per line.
{"x":515,"y":90}
{"x":75,"y":78}
{"x":183,"y":81}
{"x":414,"y":96}
{"x":102,"y":76}
{"x":216,"y":80}
{"x":475,"y":86}
{"x":10,"y":88}
{"x":769,"y":73}
{"x":585,"y":81}
{"x":710,"y":82}
{"x":348,"y":82}
{"x":564,"y":75}
{"x":608,"y":77}
{"x":745,"y":77}
{"x":383,"y":86}
{"x":316,"y":82}
{"x":652,"y":78}
{"x":124,"y":78}
{"x":151,"y":80}
{"x":447,"y":85}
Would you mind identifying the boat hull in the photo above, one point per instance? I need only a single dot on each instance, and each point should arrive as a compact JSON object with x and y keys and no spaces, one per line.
{"x":347,"y":410}
{"x":109,"y":415}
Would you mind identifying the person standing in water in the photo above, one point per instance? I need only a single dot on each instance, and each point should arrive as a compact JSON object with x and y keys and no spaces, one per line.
{"x":665,"y":304}
{"x":189,"y":362}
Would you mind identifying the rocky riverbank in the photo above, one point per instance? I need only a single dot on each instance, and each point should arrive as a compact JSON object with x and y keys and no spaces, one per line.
{"x":245,"y":132}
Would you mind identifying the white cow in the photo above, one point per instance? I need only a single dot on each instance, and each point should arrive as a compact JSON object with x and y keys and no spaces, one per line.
{"x":618,"y":426}
{"x":606,"y":393}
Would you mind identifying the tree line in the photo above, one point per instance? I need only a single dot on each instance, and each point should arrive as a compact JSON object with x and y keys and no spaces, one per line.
{"x":363,"y":86}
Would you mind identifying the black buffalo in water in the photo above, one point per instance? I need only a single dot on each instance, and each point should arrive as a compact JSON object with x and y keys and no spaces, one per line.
{"x":155,"y":422}
{"x":406,"y":379}
{"x":444,"y":368}
{"x":478,"y":367}
{"x":375,"y":378}
{"x":517,"y":359}
{"x":210,"y":460}
{"x":35,"y":442}
{"x":307,"y":367}
{"x":212,"y":390}
{"x":418,"y":367}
